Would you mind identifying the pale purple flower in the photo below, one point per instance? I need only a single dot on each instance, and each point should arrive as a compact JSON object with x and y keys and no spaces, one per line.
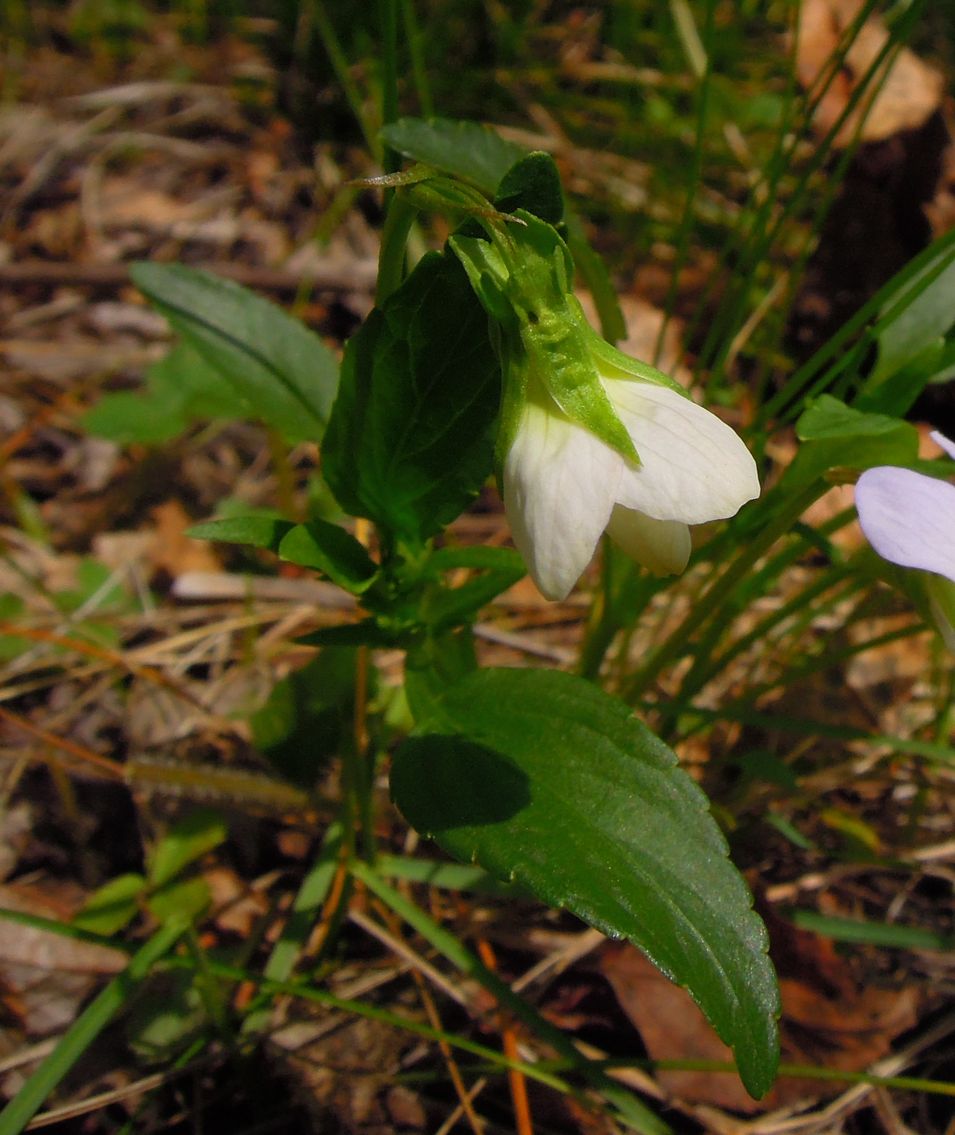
{"x":909,"y":518}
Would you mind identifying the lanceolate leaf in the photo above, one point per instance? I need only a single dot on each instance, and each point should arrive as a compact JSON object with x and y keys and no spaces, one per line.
{"x":409,"y":442}
{"x":257,"y":531}
{"x":328,"y":548}
{"x":279,"y":367}
{"x":545,"y":780}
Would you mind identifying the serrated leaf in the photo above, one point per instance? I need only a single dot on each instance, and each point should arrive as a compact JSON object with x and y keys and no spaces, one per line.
{"x":328,"y":548}
{"x":283,"y":370}
{"x":188,"y":839}
{"x":256,"y":531}
{"x":544,"y":779}
{"x":409,"y":442}
{"x":470,"y":151}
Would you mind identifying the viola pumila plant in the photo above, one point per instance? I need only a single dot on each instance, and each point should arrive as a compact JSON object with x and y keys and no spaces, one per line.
{"x":477,"y":365}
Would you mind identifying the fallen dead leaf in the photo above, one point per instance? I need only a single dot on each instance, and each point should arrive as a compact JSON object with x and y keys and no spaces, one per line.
{"x":45,"y":977}
{"x":237,"y":908}
{"x":908,"y":93}
{"x":827,"y":1019}
{"x":173,"y":550}
{"x":673,"y":1028}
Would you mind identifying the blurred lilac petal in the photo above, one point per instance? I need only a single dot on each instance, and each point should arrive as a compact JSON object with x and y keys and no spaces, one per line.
{"x":909,"y":518}
{"x":944,"y":442}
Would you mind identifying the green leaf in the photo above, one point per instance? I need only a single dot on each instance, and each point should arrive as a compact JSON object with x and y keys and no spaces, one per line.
{"x":191,"y":837}
{"x":888,"y":935}
{"x":410,"y":438}
{"x":109,"y":908}
{"x":479,"y":155}
{"x":472,"y":152}
{"x":283,"y":370}
{"x":921,"y":317}
{"x":836,"y":436}
{"x":169,"y":1015}
{"x":435,"y":664}
{"x":451,"y":606}
{"x":543,"y":779}
{"x":185,"y":897}
{"x":367,"y":632}
{"x":328,"y":548}
{"x":505,"y":560}
{"x":301,"y":725}
{"x":533,"y":184}
{"x":257,"y":531}
{"x":897,"y":394}
{"x":181,"y":389}
{"x":82,"y":1035}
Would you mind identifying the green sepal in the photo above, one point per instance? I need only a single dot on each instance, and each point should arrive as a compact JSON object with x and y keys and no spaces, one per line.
{"x":614,"y":364}
{"x":523,"y":280}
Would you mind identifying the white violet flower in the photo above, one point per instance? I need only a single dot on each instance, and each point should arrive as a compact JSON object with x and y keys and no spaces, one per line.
{"x":591,"y":439}
{"x":564,"y":486}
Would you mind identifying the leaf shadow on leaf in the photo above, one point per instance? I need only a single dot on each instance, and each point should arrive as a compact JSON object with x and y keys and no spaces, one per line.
{"x":468,"y":784}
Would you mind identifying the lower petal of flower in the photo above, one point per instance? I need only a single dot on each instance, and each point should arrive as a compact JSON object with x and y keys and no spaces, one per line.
{"x":909,"y":518}
{"x":663,"y":546}
{"x":559,"y":487}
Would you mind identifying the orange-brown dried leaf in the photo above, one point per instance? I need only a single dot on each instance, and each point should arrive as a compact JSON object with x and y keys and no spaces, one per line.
{"x":908,"y":92}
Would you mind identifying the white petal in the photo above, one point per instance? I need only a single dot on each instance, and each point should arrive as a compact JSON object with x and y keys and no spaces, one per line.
{"x":909,"y":518}
{"x":559,"y":486}
{"x":663,"y":546}
{"x":693,"y":467}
